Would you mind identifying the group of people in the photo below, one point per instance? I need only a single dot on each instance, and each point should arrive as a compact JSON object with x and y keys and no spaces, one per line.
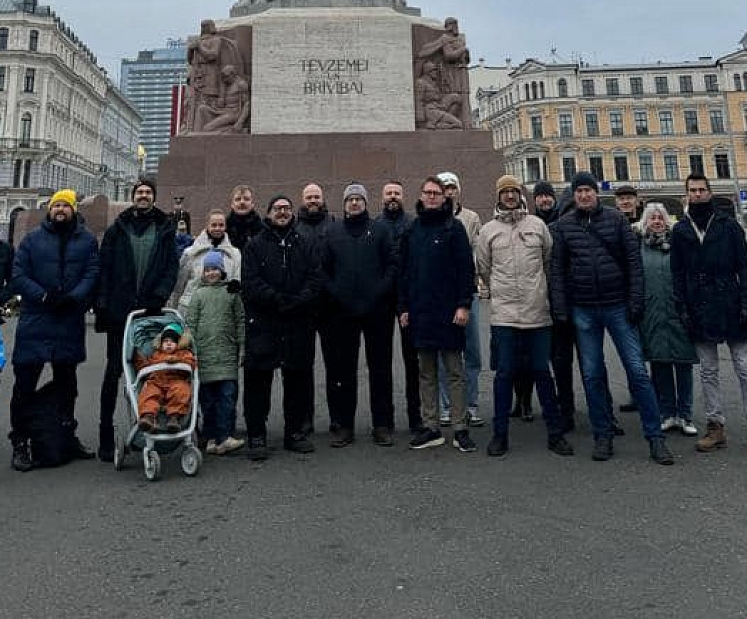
{"x":256,"y":290}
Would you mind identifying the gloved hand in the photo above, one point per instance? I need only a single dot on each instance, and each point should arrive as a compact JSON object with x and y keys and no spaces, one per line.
{"x":153,"y":309}
{"x":66,"y":301}
{"x":101,"y":320}
{"x":634,"y":315}
{"x":233,"y":286}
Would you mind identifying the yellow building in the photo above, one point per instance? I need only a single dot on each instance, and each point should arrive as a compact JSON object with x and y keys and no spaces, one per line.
{"x":646,"y":125}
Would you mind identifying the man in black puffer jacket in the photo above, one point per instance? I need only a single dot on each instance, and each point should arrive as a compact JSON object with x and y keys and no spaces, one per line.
{"x":359,"y":260}
{"x":597,"y":282}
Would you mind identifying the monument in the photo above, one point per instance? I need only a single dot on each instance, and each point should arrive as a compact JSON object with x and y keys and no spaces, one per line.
{"x":288,"y":91}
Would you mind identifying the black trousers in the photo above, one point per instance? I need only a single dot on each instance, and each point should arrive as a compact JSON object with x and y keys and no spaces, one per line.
{"x":258,"y":398}
{"x":412,"y":377}
{"x":26,"y":379}
{"x":343,"y":341}
{"x":110,"y":386}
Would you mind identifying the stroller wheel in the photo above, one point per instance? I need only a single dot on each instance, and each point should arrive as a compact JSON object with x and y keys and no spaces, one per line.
{"x":120,"y":451}
{"x":191,"y":460}
{"x":152,"y":462}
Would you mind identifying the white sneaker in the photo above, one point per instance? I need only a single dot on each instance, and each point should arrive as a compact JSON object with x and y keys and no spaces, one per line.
{"x":688,"y":428}
{"x":230,"y":444}
{"x":211,"y":447}
{"x":670,"y":423}
{"x":445,"y":419}
{"x":473,"y":419}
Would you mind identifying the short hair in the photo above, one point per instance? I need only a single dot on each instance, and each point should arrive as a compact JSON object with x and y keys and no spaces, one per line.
{"x":392,"y":182}
{"x":432,"y":179}
{"x":214,"y":211}
{"x":241,"y":189}
{"x":697,"y":176}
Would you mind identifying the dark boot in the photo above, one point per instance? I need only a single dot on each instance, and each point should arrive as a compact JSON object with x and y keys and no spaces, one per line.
{"x":660,"y":453}
{"x":106,"y":443}
{"x":21,"y":460}
{"x":603,"y":449}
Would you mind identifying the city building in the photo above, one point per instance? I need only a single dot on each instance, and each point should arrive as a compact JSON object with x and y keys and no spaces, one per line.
{"x":647,"y":125}
{"x":149,"y":81}
{"x":120,"y":131}
{"x":53,"y":95}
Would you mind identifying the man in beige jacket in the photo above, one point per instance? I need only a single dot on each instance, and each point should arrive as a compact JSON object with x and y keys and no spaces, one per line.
{"x":513,"y":257}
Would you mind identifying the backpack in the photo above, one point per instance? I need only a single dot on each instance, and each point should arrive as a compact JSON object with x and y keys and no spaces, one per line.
{"x":52,"y":434}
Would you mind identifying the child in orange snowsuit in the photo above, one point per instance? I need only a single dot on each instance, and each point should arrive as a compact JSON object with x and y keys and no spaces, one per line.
{"x":167,"y":389}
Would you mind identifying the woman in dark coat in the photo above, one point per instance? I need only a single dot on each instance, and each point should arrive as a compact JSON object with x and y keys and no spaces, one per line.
{"x":666,"y":344}
{"x":55,"y":271}
{"x":280,"y":281}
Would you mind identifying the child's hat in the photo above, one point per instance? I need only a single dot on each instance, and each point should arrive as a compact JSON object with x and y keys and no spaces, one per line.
{"x":172,"y":331}
{"x":213,"y":260}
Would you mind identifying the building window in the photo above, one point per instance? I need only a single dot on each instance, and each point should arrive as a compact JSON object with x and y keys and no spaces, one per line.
{"x":691,"y":121}
{"x":542,"y":90}
{"x":722,"y":165}
{"x":34,"y":40}
{"x":569,"y":169}
{"x":596,"y":167}
{"x":25,"y":137}
{"x":2,"y":78}
{"x":671,"y":167}
{"x":526,"y":91}
{"x":662,"y":85}
{"x":717,"y":121}
{"x":17,"y":171}
{"x":666,"y":123}
{"x":592,"y":124}
{"x":613,"y":86}
{"x":636,"y":85}
{"x":711,"y":82}
{"x":737,"y":82}
{"x":534,"y":90}
{"x":621,"y":168}
{"x":565,"y":123}
{"x":26,"y":180}
{"x":537,"y":127}
{"x":3,"y":38}
{"x":641,"y":122}
{"x":28,"y":80}
{"x":696,"y":164}
{"x":534,"y":170}
{"x":562,"y":87}
{"x":686,"y":84}
{"x":616,"y":123}
{"x":587,"y":88}
{"x":646,"y":166}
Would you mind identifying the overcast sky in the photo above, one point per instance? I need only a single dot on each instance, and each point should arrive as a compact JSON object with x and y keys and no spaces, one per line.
{"x":600,"y":31}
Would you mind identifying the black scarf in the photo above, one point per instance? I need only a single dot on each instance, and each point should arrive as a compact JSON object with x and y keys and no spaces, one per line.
{"x":142,"y":219}
{"x":701,"y":213}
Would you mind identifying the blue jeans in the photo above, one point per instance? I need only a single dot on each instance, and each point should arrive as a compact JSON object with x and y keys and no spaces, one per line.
{"x":472,"y":361}
{"x":673,"y":383}
{"x":591,"y":323}
{"x":218,"y":405}
{"x":504,"y":342}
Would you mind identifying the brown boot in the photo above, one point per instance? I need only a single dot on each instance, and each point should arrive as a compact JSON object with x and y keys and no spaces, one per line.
{"x":715,"y":438}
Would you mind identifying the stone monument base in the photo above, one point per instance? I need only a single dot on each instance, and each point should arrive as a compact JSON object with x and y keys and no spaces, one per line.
{"x":204,"y":168}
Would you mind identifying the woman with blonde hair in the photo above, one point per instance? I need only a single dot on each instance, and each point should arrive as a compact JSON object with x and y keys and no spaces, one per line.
{"x":666,"y":345}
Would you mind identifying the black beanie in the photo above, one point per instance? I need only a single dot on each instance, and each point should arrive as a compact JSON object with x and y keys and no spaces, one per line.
{"x":543,"y":188}
{"x":139,"y":183}
{"x":274,"y":199}
{"x":584,"y":179}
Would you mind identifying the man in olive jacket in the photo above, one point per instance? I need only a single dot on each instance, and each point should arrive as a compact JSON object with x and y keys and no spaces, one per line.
{"x":139,"y":265}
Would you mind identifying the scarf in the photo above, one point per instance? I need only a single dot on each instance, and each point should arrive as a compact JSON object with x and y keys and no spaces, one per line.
{"x":657,"y":240}
{"x":509,"y":216}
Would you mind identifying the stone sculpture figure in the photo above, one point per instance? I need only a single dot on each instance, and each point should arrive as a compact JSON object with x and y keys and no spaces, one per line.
{"x":450,"y":54}
{"x":230,"y":111}
{"x":207,"y":56}
{"x":435,"y":109}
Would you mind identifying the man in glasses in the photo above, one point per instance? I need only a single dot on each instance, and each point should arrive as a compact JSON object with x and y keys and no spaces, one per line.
{"x":436,"y":284}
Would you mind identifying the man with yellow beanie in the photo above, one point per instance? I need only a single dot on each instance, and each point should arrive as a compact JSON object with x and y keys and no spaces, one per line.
{"x":55,"y":271}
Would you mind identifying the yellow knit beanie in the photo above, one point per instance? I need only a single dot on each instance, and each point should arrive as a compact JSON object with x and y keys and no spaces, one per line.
{"x":65,"y":195}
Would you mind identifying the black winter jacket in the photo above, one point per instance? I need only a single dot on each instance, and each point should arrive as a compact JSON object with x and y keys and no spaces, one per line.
{"x":241,"y":228}
{"x":710,"y":279}
{"x":118,"y":293}
{"x":281,"y":280}
{"x":437,"y":277}
{"x":586,"y":270}
{"x":360,"y":264}
{"x":314,"y":226}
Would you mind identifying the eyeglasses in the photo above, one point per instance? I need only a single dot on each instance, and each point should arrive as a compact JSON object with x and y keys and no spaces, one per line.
{"x":282,"y":207}
{"x":432,"y":193}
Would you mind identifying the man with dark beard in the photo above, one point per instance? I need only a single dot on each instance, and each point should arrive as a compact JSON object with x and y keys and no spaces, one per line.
{"x":139,"y":265}
{"x":393,"y":215}
{"x":242,"y":222}
{"x":55,"y":271}
{"x":709,"y":276}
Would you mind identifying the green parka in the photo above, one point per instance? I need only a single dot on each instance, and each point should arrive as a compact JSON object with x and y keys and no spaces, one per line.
{"x":216,"y":318}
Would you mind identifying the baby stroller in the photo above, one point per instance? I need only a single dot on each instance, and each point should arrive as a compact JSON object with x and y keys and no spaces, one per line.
{"x":139,"y":333}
